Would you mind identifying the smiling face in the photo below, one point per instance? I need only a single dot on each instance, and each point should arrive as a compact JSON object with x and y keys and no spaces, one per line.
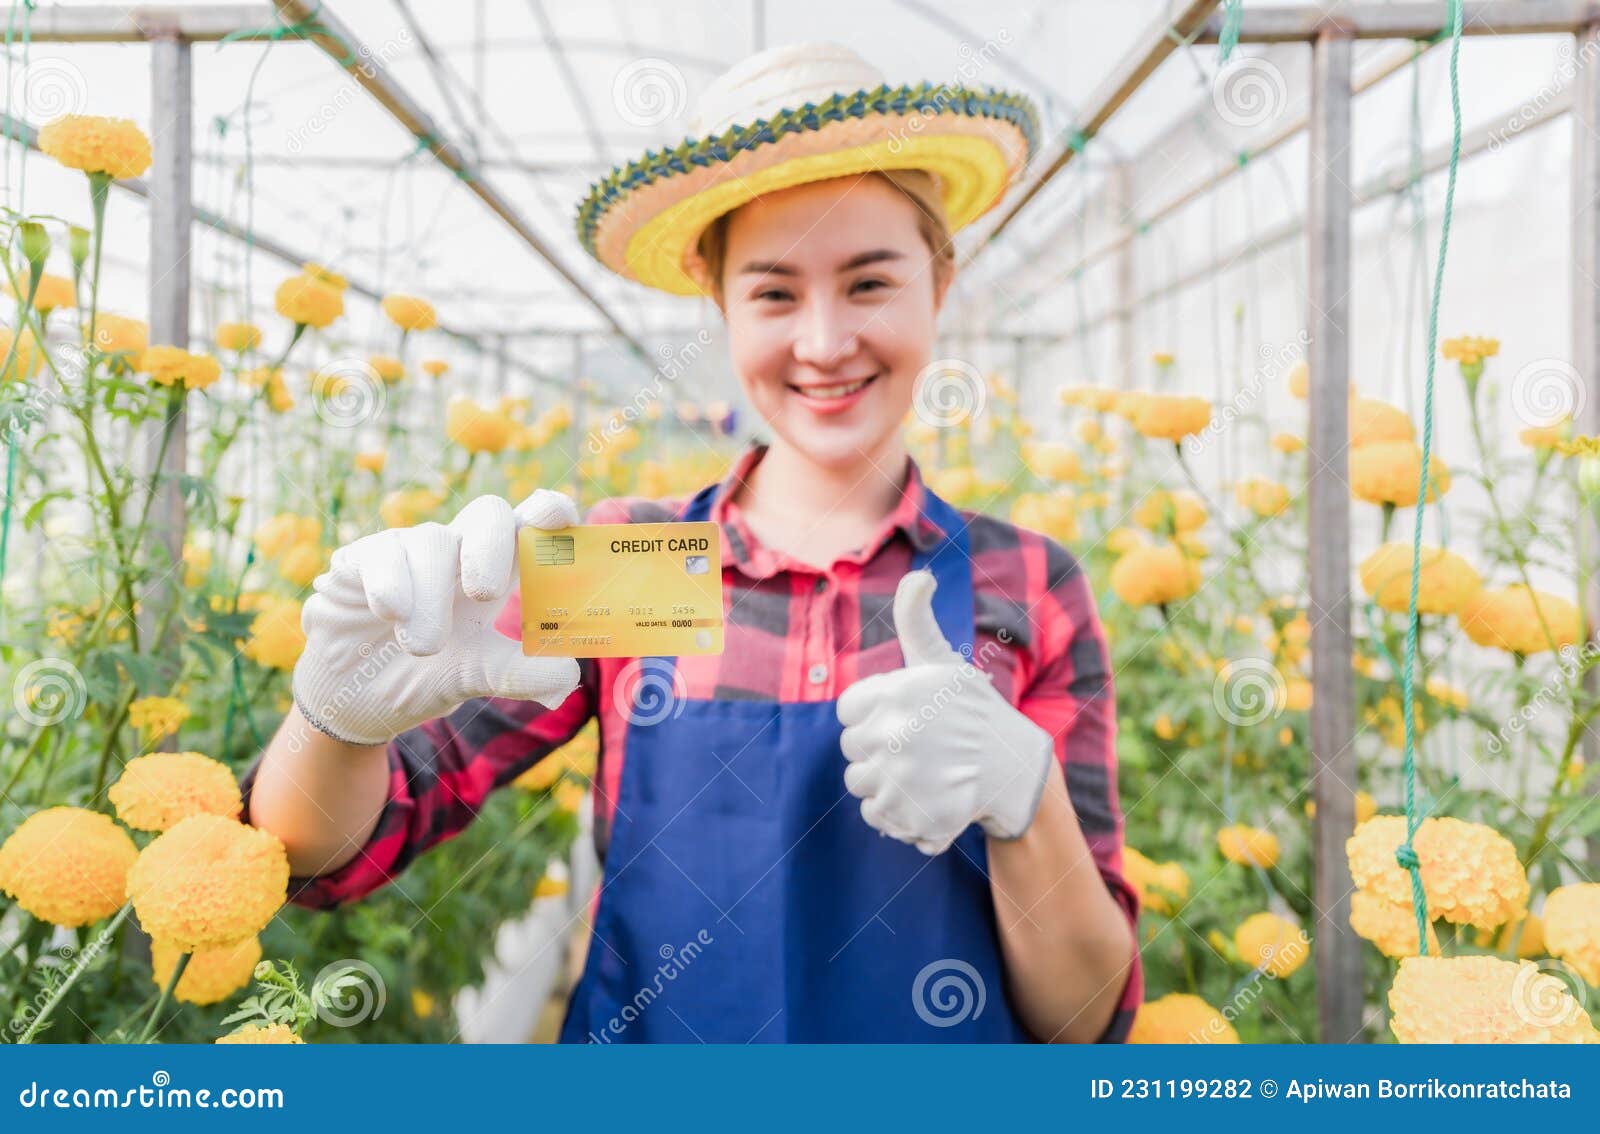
{"x":831,"y":292}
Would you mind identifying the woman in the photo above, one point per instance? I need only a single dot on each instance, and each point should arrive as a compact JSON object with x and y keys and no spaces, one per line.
{"x":946,"y":670}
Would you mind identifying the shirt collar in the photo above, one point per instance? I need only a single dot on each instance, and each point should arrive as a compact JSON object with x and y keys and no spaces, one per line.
{"x":741,"y":547}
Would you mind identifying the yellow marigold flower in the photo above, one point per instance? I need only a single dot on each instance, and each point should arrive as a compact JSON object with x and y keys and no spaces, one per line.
{"x":410,"y":313}
{"x":53,"y":292}
{"x":1122,"y":540}
{"x":1387,"y":472}
{"x":1366,"y":806}
{"x":325,"y":275}
{"x":435,"y":367}
{"x":408,"y":507}
{"x":1572,"y":927}
{"x":477,"y":429}
{"x":1087,"y":430}
{"x":1164,"y":728}
{"x":1483,"y":1000}
{"x":1171,"y":418}
{"x":302,"y":563}
{"x":1444,"y":582}
{"x":113,"y":146}
{"x":1580,"y":447}
{"x":276,"y":639}
{"x":371,"y":460}
{"x":284,"y":531}
{"x":196,"y":565}
{"x":1469,"y":349}
{"x":1287,"y":442}
{"x":157,"y":790}
{"x":548,"y":887}
{"x":1470,"y":872}
{"x":262,"y":1033}
{"x":67,"y":866}
{"x":1248,"y":846}
{"x":1161,"y":358}
{"x":1164,"y":511}
{"x":208,"y":881}
{"x":212,"y":974}
{"x":1050,"y":461}
{"x":1049,"y":513}
{"x":170,"y":365}
{"x":309,"y":301}
{"x":1391,"y":926}
{"x":1263,"y":497}
{"x":1273,"y":944}
{"x":569,"y":795}
{"x":27,"y":357}
{"x":1151,"y":576}
{"x":1543,"y":438}
{"x":1509,"y":619}
{"x":1162,"y":886}
{"x":238,"y":336}
{"x":1372,"y":421}
{"x":119,"y":335}
{"x":157,"y":717}
{"x":1179,"y":1017}
{"x":1525,"y":932}
{"x":421,"y":1003}
{"x":1295,"y":695}
{"x":1300,"y":378}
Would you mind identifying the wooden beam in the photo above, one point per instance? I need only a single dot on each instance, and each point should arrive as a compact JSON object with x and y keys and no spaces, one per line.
{"x":111,"y":23}
{"x":1364,"y":19}
{"x":1333,"y":755}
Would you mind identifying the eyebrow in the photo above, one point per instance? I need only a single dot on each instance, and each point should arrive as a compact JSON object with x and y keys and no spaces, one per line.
{"x":861,"y":259}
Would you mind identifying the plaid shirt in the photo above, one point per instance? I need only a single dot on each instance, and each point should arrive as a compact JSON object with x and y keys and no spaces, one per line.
{"x":794,"y":632}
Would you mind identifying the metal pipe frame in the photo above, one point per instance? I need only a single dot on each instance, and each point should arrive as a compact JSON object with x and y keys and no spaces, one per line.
{"x":1364,"y":19}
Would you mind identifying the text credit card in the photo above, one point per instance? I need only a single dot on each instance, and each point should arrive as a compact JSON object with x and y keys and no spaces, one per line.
{"x":621,"y":590}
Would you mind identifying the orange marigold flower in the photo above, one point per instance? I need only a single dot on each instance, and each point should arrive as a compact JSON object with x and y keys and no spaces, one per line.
{"x":67,"y":866}
{"x":1162,"y":886}
{"x":325,"y":275}
{"x":1470,"y":873}
{"x":309,"y":301}
{"x":26,"y":358}
{"x":262,"y":1033}
{"x":1248,"y":846}
{"x":1469,"y":348}
{"x":410,"y":313}
{"x":1288,"y":442}
{"x":157,"y":717}
{"x":436,"y":368}
{"x":1444,"y":582}
{"x":1300,"y":378}
{"x":212,"y":974}
{"x":284,"y":531}
{"x":1263,"y":497}
{"x":1179,"y":1017}
{"x":371,"y":460}
{"x":1391,"y":926}
{"x":113,"y":146}
{"x":387,"y":367}
{"x":53,"y":292}
{"x":119,"y":335}
{"x":1387,"y":472}
{"x":1510,"y":619}
{"x":1543,"y":438}
{"x":1372,"y":421}
{"x":302,"y":563}
{"x":238,"y":336}
{"x":1572,"y":927}
{"x":1164,"y":511}
{"x":1151,"y":576}
{"x":1050,"y":461}
{"x":408,"y":507}
{"x":1171,"y":417}
{"x":170,"y":365}
{"x":477,"y":429}
{"x":1050,"y":513}
{"x":1273,"y":944}
{"x":157,"y":790}
{"x":208,"y":881}
{"x":1483,"y":1000}
{"x":276,"y":639}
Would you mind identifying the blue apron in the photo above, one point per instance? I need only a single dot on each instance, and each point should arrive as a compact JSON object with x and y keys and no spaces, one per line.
{"x":745,"y":899}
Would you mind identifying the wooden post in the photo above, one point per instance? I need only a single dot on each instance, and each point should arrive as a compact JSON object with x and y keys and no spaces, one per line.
{"x":171,"y":220}
{"x":1333,"y":757}
{"x":1123,"y":304}
{"x":1586,"y":325}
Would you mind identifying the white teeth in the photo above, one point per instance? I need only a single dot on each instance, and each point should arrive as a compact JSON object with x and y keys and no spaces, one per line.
{"x":842,"y":390}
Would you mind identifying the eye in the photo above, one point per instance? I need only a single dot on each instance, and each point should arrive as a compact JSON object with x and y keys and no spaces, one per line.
{"x":873,"y":284}
{"x":775,"y":294}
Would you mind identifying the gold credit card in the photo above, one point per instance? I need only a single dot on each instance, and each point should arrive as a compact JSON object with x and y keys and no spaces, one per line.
{"x":621,"y":590}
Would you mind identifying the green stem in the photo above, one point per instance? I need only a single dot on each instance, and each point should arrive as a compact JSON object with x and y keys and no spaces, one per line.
{"x":85,"y":958}
{"x":166,"y":994}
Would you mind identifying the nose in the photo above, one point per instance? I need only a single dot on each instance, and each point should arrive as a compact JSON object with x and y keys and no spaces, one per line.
{"x":827,"y":334}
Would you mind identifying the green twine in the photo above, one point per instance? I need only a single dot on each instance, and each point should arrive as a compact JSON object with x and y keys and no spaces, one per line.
{"x":1076,"y":139}
{"x":1406,"y":854}
{"x":299,"y":29}
{"x":1232,"y":17}
{"x":1243,"y":158}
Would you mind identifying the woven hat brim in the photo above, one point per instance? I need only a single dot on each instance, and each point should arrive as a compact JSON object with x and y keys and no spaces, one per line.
{"x":643,"y":221}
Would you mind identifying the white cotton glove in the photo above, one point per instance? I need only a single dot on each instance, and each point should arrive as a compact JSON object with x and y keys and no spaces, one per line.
{"x":401,"y":627}
{"x":933,"y":747}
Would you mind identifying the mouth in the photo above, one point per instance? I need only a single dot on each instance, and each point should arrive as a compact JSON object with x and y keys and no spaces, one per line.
{"x":834,"y":392}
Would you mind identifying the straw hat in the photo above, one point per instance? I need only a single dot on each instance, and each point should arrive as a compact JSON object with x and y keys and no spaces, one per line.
{"x":790,"y":115}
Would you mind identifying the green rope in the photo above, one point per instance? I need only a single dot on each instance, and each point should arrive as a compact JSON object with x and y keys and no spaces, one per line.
{"x":1232,"y":17}
{"x":1406,"y":854}
{"x":299,"y":29}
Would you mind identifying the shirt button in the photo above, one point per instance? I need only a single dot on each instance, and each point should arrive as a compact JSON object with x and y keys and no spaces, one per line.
{"x":822,"y":585}
{"x":817,"y":674}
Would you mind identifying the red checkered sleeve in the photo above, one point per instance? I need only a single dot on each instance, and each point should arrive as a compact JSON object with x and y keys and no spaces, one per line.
{"x":1070,"y":694}
{"x":440,"y":773}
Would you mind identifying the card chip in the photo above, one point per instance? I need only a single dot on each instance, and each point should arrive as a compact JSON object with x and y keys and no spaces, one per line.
{"x":697,"y":564}
{"x":553,"y":551}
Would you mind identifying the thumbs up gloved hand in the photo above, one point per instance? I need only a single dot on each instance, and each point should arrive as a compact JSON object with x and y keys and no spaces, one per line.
{"x":400,"y":629}
{"x":933,"y":747}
